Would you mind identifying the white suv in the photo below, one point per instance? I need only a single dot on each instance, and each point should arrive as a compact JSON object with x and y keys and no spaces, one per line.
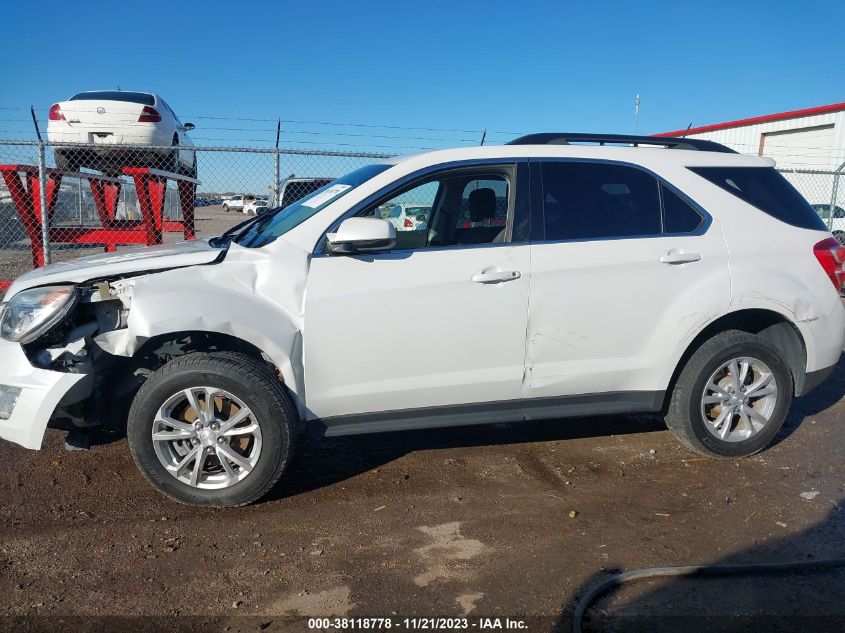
{"x":682,"y":279}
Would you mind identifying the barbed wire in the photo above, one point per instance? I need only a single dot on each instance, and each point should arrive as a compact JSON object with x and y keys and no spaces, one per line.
{"x":292,"y":121}
{"x":807,"y":156}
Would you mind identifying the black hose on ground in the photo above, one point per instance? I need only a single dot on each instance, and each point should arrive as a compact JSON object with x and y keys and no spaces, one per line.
{"x":696,"y":570}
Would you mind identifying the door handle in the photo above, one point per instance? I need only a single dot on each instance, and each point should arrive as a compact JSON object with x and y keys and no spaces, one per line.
{"x":495,"y":276}
{"x":679,"y":257}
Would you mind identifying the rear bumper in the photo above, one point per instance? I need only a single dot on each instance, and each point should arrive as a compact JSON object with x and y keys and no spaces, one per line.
{"x":41,"y":391}
{"x":824,"y":338}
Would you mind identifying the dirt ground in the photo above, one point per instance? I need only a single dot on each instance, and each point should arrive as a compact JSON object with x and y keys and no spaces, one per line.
{"x":510,"y":520}
{"x":500,"y":521}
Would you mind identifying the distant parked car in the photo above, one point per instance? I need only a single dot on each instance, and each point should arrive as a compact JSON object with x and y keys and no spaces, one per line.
{"x":294,"y":189}
{"x":404,"y":218}
{"x":236,"y":203}
{"x":837,"y":226}
{"x":254,"y":206}
{"x":105,"y":120}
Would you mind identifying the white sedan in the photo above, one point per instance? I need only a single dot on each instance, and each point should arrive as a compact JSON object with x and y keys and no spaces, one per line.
{"x":408,"y":218}
{"x":114,"y":126}
{"x":256,"y":207}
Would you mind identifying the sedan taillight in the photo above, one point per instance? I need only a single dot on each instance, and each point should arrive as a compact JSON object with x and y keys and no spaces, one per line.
{"x":408,"y":223}
{"x":56,"y":113}
{"x":831,"y":256}
{"x":149,"y":115}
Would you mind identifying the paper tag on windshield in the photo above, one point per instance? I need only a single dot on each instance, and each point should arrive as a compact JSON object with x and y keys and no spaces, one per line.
{"x":324,"y":196}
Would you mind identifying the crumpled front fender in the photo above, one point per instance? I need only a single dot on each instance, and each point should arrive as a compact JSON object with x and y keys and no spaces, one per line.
{"x":254,"y":298}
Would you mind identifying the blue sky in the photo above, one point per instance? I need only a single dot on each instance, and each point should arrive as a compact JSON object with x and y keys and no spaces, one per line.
{"x":504,"y":66}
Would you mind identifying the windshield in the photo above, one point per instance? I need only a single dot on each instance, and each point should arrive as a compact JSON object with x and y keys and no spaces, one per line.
{"x":279,"y":221}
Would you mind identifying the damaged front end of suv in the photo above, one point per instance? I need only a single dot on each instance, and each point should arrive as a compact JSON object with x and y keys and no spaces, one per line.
{"x":78,"y":339}
{"x":46,"y":342}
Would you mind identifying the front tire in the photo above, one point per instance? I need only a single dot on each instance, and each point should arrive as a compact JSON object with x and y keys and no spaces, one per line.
{"x":732,"y":396}
{"x":228,"y":454}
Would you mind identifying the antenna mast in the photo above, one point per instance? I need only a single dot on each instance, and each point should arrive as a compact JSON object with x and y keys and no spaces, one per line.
{"x":637,"y":114}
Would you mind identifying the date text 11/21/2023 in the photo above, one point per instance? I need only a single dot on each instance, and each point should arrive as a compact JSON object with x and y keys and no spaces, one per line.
{"x":418,"y":623}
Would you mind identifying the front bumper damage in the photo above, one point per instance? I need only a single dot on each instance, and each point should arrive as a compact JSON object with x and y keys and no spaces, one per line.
{"x":42,"y":391}
{"x":54,"y":377}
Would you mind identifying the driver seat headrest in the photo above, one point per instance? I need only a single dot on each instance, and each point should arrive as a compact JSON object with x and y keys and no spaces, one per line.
{"x":482,"y":204}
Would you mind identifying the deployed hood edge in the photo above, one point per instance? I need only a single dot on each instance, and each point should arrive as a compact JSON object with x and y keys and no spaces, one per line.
{"x":84,"y":274}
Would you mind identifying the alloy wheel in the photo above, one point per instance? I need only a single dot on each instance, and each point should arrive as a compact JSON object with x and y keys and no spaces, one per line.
{"x":739,"y":399}
{"x":206,"y":437}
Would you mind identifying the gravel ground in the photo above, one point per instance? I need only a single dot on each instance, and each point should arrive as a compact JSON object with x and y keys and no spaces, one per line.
{"x":508,"y":520}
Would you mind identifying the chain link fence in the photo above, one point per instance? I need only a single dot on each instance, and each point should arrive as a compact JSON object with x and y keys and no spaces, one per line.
{"x":825,"y":191}
{"x":96,"y":198}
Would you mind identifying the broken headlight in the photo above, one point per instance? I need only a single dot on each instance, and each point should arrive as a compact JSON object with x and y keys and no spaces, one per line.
{"x":31,"y":313}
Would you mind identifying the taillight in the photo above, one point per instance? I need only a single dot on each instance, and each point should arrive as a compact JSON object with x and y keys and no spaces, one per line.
{"x":831,"y":256}
{"x":408,"y":223}
{"x":149,"y":115}
{"x":56,"y":113}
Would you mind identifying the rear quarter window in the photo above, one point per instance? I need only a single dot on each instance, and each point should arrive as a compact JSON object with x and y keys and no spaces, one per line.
{"x":766,"y":189}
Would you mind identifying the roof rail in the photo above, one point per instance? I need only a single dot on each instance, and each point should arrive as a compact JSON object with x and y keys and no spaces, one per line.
{"x":564,"y":138}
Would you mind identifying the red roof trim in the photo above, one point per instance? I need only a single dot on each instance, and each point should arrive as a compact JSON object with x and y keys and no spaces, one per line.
{"x":766,"y":118}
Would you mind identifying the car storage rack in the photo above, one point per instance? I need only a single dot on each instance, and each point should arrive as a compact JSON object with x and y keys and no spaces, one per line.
{"x":23,"y":184}
{"x":669,"y":142}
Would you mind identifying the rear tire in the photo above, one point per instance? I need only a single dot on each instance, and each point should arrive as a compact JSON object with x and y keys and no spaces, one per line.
{"x":695,"y":409}
{"x":237,"y":465}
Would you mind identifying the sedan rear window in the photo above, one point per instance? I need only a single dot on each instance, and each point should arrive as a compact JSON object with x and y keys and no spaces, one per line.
{"x":766,"y":189}
{"x":142,"y":98}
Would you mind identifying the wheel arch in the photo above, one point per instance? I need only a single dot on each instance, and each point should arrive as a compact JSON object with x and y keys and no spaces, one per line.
{"x":774,"y":327}
{"x":127,"y":372}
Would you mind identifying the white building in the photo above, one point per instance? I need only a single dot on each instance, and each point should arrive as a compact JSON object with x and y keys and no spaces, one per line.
{"x":800,"y":141}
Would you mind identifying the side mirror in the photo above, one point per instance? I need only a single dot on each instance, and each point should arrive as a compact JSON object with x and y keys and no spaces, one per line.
{"x":362,"y":235}
{"x":189,"y":126}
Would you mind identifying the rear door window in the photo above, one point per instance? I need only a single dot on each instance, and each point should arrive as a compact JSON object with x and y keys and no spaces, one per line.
{"x":766,"y":189}
{"x":597,"y":200}
{"x":679,"y":216}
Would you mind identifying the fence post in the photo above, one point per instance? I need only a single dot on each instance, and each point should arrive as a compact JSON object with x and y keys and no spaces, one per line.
{"x":42,"y":198}
{"x":276,"y":197}
{"x":834,"y":195}
{"x":276,"y":184}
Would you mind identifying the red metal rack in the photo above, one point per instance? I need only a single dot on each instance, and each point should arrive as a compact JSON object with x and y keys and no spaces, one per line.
{"x":150,"y":184}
